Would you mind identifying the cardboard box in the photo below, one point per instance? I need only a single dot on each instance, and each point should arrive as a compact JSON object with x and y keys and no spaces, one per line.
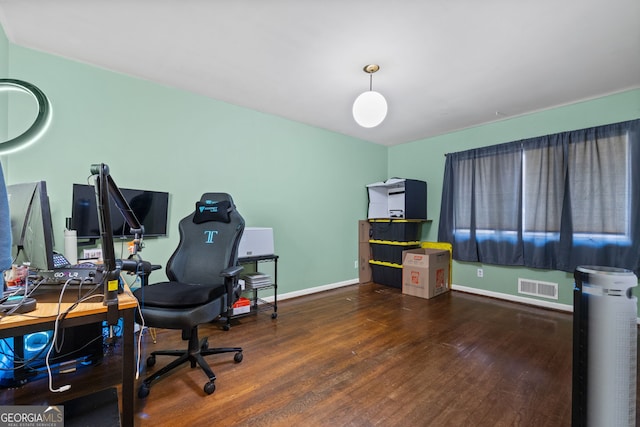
{"x":242,"y":306}
{"x":425,"y":272}
{"x":364,"y":231}
{"x":364,"y":268}
{"x":256,"y":241}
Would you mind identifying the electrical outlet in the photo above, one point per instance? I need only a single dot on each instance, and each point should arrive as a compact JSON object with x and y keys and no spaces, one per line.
{"x":480,"y":272}
{"x":355,"y":264}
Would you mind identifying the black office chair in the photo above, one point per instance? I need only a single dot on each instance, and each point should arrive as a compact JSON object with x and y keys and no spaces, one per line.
{"x":203,"y":274}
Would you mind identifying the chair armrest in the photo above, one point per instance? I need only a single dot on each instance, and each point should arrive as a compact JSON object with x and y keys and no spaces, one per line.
{"x":232,"y":271}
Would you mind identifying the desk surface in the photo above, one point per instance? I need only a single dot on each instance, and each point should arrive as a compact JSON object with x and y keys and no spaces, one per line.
{"x":47,"y":308}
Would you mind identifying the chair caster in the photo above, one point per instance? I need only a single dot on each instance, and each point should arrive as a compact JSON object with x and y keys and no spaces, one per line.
{"x":209,"y":387}
{"x":226,"y":327}
{"x":274,"y":315}
{"x":143,"y":391}
{"x":238,"y":357}
{"x":151,"y":360}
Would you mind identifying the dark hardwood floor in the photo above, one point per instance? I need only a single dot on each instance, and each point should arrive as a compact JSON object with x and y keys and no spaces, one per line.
{"x":364,"y":355}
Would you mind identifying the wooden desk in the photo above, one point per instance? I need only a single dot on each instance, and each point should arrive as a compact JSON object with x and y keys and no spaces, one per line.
{"x":44,"y":316}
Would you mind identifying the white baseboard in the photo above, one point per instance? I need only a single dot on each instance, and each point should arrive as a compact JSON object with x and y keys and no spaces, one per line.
{"x":467,"y":289}
{"x":514,"y":298}
{"x":483,"y":292}
{"x":313,"y":290}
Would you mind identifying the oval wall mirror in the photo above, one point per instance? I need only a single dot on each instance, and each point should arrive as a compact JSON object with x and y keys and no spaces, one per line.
{"x":40,"y":123}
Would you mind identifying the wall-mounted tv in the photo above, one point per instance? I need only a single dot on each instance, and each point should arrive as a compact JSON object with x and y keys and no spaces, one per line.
{"x":150,"y":207}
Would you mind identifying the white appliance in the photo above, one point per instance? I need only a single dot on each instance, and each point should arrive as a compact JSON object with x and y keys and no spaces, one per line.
{"x":256,"y":241}
{"x":604,"y":347}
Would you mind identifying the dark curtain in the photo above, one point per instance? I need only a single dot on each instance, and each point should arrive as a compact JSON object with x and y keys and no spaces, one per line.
{"x":550,"y":202}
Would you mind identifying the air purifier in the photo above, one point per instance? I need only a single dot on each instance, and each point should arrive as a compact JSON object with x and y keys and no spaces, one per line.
{"x":604,"y":347}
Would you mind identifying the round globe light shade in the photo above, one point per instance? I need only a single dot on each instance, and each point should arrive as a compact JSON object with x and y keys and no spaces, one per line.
{"x":369,"y":109}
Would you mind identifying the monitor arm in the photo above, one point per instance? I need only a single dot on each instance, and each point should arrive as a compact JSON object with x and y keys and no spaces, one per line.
{"x":105,"y":187}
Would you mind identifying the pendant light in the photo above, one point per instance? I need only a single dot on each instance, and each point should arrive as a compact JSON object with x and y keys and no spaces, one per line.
{"x":370,"y":108}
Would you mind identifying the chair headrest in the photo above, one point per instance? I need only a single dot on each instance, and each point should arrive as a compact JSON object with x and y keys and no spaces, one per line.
{"x":214,"y":207}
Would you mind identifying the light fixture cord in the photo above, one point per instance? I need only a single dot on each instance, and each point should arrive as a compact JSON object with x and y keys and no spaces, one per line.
{"x":370,"y":82}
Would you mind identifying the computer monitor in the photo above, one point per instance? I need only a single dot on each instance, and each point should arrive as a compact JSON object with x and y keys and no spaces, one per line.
{"x":31,"y":224}
{"x":150,"y":207}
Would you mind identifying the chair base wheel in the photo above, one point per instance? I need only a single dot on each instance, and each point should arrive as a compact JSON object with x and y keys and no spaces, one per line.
{"x":143,"y":391}
{"x":209,"y":387}
{"x":194,"y":355}
{"x":151,"y":360}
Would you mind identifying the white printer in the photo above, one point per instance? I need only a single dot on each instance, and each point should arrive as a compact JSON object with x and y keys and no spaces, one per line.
{"x":256,"y":241}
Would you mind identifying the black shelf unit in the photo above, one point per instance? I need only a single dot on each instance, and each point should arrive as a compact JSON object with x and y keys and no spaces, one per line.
{"x":388,"y":239}
{"x":255,"y":300}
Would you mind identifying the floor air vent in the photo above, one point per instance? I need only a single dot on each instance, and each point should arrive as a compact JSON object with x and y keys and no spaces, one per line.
{"x":538,"y":288}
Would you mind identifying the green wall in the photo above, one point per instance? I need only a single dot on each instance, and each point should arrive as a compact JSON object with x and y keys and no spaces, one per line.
{"x":424,"y":160}
{"x":306,"y":183}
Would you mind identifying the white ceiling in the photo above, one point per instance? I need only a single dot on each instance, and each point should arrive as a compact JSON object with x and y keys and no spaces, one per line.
{"x":445,"y":64}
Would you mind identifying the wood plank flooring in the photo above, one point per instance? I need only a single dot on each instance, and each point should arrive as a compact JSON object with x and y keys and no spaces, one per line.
{"x":364,"y":355}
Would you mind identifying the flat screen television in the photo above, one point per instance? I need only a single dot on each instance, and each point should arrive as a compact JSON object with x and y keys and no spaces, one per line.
{"x":31,"y":225}
{"x":150,"y":207}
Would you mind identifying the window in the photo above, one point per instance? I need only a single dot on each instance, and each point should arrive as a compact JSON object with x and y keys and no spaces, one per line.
{"x":600,"y":197}
{"x":552,"y":202}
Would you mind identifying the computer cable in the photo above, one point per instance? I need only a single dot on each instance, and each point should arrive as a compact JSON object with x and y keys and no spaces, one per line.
{"x":142,"y":325}
{"x":56,"y":326}
{"x":9,"y":294}
{"x":34,"y":286}
{"x":81,"y":298}
{"x":37,"y":355}
{"x":89,"y":293}
{"x":59,"y":343}
{"x":20,"y":362}
{"x":55,"y":337}
{"x":17,"y":303}
{"x":7,"y":353}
